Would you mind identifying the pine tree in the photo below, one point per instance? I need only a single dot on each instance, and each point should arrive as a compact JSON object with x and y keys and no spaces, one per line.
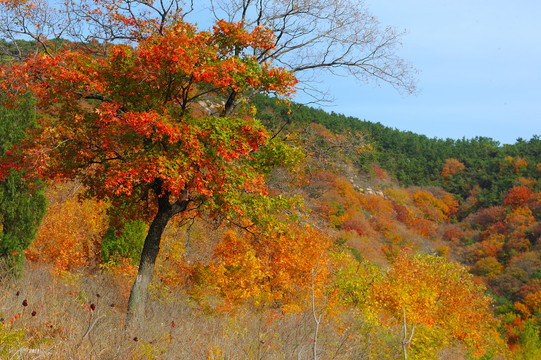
{"x":22,"y":200}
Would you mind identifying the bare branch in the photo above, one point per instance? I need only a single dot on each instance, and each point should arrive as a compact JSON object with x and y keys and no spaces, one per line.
{"x":337,"y":36}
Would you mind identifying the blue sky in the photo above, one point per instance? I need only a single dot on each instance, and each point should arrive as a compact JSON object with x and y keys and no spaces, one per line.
{"x":480,"y":70}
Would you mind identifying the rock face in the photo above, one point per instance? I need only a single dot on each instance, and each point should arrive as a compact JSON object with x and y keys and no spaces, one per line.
{"x":371,"y":191}
{"x":211,"y":108}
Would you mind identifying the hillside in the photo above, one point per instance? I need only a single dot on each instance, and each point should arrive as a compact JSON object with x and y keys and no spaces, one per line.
{"x":153,"y":206}
{"x":472,"y":200}
{"x":368,"y":243}
{"x":414,"y":159}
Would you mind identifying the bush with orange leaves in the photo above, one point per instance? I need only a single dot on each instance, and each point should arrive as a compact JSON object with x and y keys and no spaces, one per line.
{"x":437,"y":209}
{"x":516,"y":165}
{"x":441,"y":298}
{"x":71,"y":232}
{"x":518,"y":196}
{"x":274,"y":270}
{"x":451,"y":167}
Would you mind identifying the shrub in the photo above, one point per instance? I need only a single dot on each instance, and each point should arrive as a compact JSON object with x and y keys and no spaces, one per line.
{"x":126,"y":243}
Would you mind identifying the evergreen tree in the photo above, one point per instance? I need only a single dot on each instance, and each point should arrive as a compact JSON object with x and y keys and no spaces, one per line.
{"x":22,"y":201}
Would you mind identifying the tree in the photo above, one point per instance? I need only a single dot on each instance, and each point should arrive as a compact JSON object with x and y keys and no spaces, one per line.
{"x":339,"y":36}
{"x":443,"y":298}
{"x":518,"y":196}
{"x":126,"y":125}
{"x":22,"y":202}
{"x":451,"y":167}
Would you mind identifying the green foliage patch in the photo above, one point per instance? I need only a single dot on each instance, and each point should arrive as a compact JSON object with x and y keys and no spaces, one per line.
{"x":22,"y":199}
{"x":124,"y":243}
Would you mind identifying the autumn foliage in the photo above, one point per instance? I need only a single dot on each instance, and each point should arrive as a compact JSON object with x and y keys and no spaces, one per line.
{"x":71,"y":232}
{"x":451,"y":167}
{"x":274,"y":270}
{"x":518,"y":196}
{"x":130,"y":128}
{"x":120,"y":140}
{"x":121,"y":119}
{"x":441,"y":296}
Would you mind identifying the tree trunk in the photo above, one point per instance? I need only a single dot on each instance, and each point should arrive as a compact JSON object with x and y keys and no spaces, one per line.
{"x":138,"y":295}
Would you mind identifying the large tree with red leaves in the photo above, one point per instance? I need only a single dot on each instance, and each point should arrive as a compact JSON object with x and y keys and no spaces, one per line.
{"x":122,"y":105}
{"x":126,"y":122}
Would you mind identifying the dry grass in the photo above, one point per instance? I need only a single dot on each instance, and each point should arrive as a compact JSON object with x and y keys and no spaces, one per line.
{"x":81,"y":316}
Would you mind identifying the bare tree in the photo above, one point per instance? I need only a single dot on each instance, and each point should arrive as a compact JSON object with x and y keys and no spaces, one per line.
{"x":406,"y":342}
{"x":336,"y":36}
